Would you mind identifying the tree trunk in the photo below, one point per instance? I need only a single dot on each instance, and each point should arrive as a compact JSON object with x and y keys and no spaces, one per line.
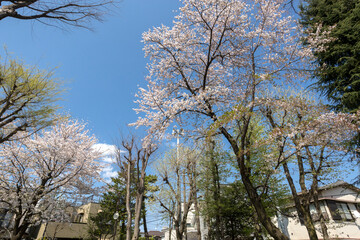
{"x":218,"y":234}
{"x":218,"y":221}
{"x":314,"y":187}
{"x":179,"y":235}
{"x":19,"y":232}
{"x":123,"y":228}
{"x":128,"y":207}
{"x":197,"y":217}
{"x":301,"y":206}
{"x":251,"y":191}
{"x":144,"y":222}
{"x":170,"y":227}
{"x":323,"y":226}
{"x":260,"y":210}
{"x":245,"y":177}
{"x":138,"y":208}
{"x":258,"y":230}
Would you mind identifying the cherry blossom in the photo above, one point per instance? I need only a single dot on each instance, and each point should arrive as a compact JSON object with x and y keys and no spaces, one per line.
{"x":39,"y":172}
{"x":215,"y":71}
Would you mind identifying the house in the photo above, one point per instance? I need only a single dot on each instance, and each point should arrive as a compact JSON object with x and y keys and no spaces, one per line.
{"x":340,"y":206}
{"x":75,"y":229}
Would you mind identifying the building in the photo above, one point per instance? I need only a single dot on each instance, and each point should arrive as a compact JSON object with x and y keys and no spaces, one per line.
{"x":75,"y":229}
{"x":340,"y":206}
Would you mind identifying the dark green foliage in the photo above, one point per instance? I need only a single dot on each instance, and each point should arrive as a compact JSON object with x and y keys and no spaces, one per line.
{"x":338,"y":67}
{"x":228,"y":213}
{"x":237,"y":212}
{"x":103,"y":224}
{"x":226,"y":206}
{"x":338,"y":71}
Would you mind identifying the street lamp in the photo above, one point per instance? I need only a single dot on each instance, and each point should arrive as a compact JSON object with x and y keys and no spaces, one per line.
{"x":115,"y":217}
{"x":177,"y":133}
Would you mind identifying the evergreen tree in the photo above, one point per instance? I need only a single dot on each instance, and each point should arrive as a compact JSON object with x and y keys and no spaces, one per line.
{"x":226,"y":206}
{"x":103,"y":225}
{"x":338,"y":66}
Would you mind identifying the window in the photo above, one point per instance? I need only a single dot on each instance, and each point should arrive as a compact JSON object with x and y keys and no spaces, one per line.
{"x":315,"y":216}
{"x":80,"y":217}
{"x":357,"y":205}
{"x":340,"y":211}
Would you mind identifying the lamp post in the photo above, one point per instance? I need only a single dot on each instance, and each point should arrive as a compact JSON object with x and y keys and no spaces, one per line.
{"x":115,"y":217}
{"x":177,"y":133}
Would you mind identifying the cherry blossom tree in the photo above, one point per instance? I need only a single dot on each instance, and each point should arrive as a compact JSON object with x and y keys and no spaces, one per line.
{"x":216,"y":70}
{"x":217,"y":59}
{"x":41,"y":171}
{"x":316,"y":140}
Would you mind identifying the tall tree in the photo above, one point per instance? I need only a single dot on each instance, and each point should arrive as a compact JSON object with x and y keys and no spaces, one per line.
{"x":226,"y":206}
{"x":219,"y":57}
{"x":133,"y":164}
{"x":69,"y":12}
{"x":338,"y":69}
{"x":27,"y":97}
{"x":38,"y":170}
{"x":103,"y":225}
{"x":316,"y":139}
{"x":213,"y":174}
{"x":338,"y":72}
{"x":177,"y":194}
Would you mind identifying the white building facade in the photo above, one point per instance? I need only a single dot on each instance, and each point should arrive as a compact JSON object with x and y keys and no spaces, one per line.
{"x":340,"y":206}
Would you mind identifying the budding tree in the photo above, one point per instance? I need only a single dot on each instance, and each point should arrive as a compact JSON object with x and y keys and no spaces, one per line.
{"x":27,"y":97}
{"x":178,"y":193}
{"x":218,"y":58}
{"x":39,"y":170}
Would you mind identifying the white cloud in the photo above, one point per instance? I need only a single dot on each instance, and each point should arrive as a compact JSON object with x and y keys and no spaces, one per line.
{"x":109,"y":160}
{"x":108,"y":172}
{"x":105,"y":149}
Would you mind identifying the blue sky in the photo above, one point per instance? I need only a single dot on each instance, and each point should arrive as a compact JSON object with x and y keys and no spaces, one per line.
{"x":102,"y":69}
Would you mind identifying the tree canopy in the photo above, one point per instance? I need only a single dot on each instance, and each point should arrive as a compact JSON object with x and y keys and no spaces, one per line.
{"x":38,"y":171}
{"x":338,"y":66}
{"x":222,"y":69}
{"x":27,"y":97}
